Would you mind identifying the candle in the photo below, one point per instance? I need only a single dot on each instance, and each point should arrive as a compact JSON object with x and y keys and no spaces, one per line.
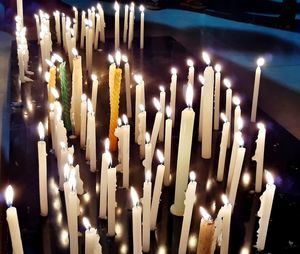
{"x":13,"y":222}
{"x":119,"y":134}
{"x":96,"y":38}
{"x":237,"y":112}
{"x":225,"y":212}
{"x":146,"y":211}
{"x":191,"y":73}
{"x":38,"y":27}
{"x":259,"y":156}
{"x":125,"y":129}
{"x":156,"y":125}
{"x":147,"y":163}
{"x":201,"y":79}
{"x":66,"y":188}
{"x":206,"y":233}
{"x":91,"y":137}
{"x":103,"y":181}
{"x":20,"y":10}
{"x":190,"y":198}
{"x":237,"y":171}
{"x":63,"y":24}
{"x":65,"y":153}
{"x":75,"y":21}
{"x":51,"y":79}
{"x":208,"y":93}
{"x":111,"y":73}
{"x":139,"y":100}
{"x":157,"y":190}
{"x":136,"y":222}
{"x":127,"y":86}
{"x":142,"y":9}
{"x":83,"y":121}
{"x":92,"y":244}
{"x":184,"y":153}
{"x":173,"y":88}
{"x":217,"y":96}
{"x":167,"y":147}
{"x":131,"y":24}
{"x":162,"y":102}
{"x":102,"y":25}
{"x":57,"y":26}
{"x":260,"y":62}
{"x":42,"y":157}
{"x":94,"y":91}
{"x":75,"y":171}
{"x":117,"y":25}
{"x":142,"y":130}
{"x":82,"y":29}
{"x":111,"y":198}
{"x":125,"y":31}
{"x":264,"y":211}
{"x":227,"y":83}
{"x":223,"y":148}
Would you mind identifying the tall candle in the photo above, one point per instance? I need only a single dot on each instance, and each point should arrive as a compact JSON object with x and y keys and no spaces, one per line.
{"x":111,"y":198}
{"x":223,"y":148}
{"x":13,"y":222}
{"x":191,"y":74}
{"x":20,"y":10}
{"x":206,"y":233}
{"x":237,"y":112}
{"x":136,"y":222}
{"x":226,"y":220}
{"x":142,"y":130}
{"x":131,"y":24}
{"x":217,"y":96}
{"x":200,"y":130}
{"x":75,"y":21}
{"x":259,"y":156}
{"x":264,"y":211}
{"x":92,"y":244}
{"x":82,"y":29}
{"x":142,"y":32}
{"x":57,"y":26}
{"x":139,"y":100}
{"x":228,"y":107}
{"x":91,"y":137}
{"x":157,"y":190}
{"x":125,"y":30}
{"x":146,"y":211}
{"x":83,"y":111}
{"x":94,"y":91}
{"x":97,"y":31}
{"x":156,"y":125}
{"x":125,"y":129}
{"x":173,"y":88}
{"x":184,"y":153}
{"x":38,"y":27}
{"x":162,"y":101}
{"x":190,"y":198}
{"x":127,"y":86}
{"x":147,"y":163}
{"x":208,"y":93}
{"x":260,"y":62}
{"x":102,"y":34}
{"x":167,"y":147}
{"x":117,"y":25}
{"x":42,"y":156}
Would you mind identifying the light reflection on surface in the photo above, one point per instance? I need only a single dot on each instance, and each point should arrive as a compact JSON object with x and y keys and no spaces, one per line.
{"x":119,"y":230}
{"x":162,"y":250}
{"x":192,"y":243}
{"x":64,"y":238}
{"x":244,"y":250}
{"x":246,"y":179}
{"x":86,"y":197}
{"x":123,"y":248}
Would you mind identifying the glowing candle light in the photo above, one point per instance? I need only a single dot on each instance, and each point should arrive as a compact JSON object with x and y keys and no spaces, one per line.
{"x":200,"y":130}
{"x":228,"y":107}
{"x":127,"y":86}
{"x":162,"y":101}
{"x":125,"y":129}
{"x":191,"y":74}
{"x":142,"y":32}
{"x":146,"y":211}
{"x":136,"y":222}
{"x":94,"y":91}
{"x":237,"y":112}
{"x":139,"y":100}
{"x":147,"y":163}
{"x":156,"y":125}
{"x":173,"y":89}
{"x":167,"y":147}
{"x":111,"y":198}
{"x":92,"y":244}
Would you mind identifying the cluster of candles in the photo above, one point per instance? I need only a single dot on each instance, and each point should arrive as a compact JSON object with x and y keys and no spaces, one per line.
{"x":82,"y":115}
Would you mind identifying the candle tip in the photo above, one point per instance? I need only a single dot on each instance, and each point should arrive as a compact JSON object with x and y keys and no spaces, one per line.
{"x":54,"y":93}
{"x":142,"y":108}
{"x":173,"y":71}
{"x":138,"y":78}
{"x":72,"y":180}
{"x":90,"y":106}
{"x":261,"y":126}
{"x":223,"y":117}
{"x":224,"y":199}
{"x":94,"y":77}
{"x":125,"y":119}
{"x":110,"y":58}
{"x":124,"y":58}
{"x":9,"y":195}
{"x":47,"y":76}
{"x":147,"y":137}
{"x":168,"y":111}
{"x":204,"y":214}
{"x":156,"y":103}
{"x":118,"y":57}
{"x":162,"y":88}
{"x":116,"y":6}
{"x":190,"y":62}
{"x":148,"y":175}
{"x":142,"y":8}
{"x":240,"y":123}
{"x":83,"y":97}
{"x":74,"y":52}
{"x":236,"y":100}
{"x":106,"y":144}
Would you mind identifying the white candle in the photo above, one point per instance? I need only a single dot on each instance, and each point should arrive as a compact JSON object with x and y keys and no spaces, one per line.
{"x":103,"y":181}
{"x":82,"y":29}
{"x":20,"y":10}
{"x":67,"y":188}
{"x":223,"y":148}
{"x":102,"y":24}
{"x":13,"y":222}
{"x":191,"y":74}
{"x":127,"y":86}
{"x":119,"y":134}
{"x":97,"y":31}
{"x":184,"y":153}
{"x":117,"y":25}
{"x":217,"y":96}
{"x":125,"y":129}
{"x":208,"y":93}
{"x":142,"y":130}
{"x":91,"y":137}
{"x":190,"y":198}
{"x":200,"y":130}
{"x":264,"y":211}
{"x":94,"y":91}
{"x":237,"y":112}
{"x":259,"y":156}
{"x":125,"y":31}
{"x":38,"y":27}
{"x":63,"y":25}
{"x":111,"y":198}
{"x":237,"y":172}
{"x":42,"y":156}
{"x":57,"y":26}
{"x":228,"y":107}
{"x":167,"y":147}
{"x":131,"y":24}
{"x":92,"y":244}
{"x":157,"y":190}
{"x":139,"y":100}
{"x":162,"y":102}
{"x":147,"y":163}
{"x":156,"y":125}
{"x":142,"y":9}
{"x":173,"y":88}
{"x":146,"y":211}
{"x":136,"y":222}
{"x":83,"y":111}
{"x":260,"y":62}
{"x":75,"y":21}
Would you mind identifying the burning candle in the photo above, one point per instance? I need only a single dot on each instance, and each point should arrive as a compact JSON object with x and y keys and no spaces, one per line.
{"x":57,"y":26}
{"x":136,"y":222}
{"x":237,"y":112}
{"x":173,"y":88}
{"x":139,"y":100}
{"x":157,"y":190}
{"x":147,"y":163}
{"x":111,"y":198}
{"x":184,"y":153}
{"x":125,"y":31}
{"x":260,"y":62}
{"x":201,"y":79}
{"x":217,"y":95}
{"x":142,"y":130}
{"x":167,"y":147}
{"x":82,"y":29}
{"x":127,"y":86}
{"x":191,"y":73}
{"x":97,"y":32}
{"x":156,"y":125}
{"x":13,"y":222}
{"x":226,"y":212}
{"x":83,"y":111}
{"x":142,"y":9}
{"x":131,"y":25}
{"x":94,"y":92}
{"x":91,"y":238}
{"x":190,"y":198}
{"x":117,"y":25}
{"x":264,"y":211}
{"x":42,"y":156}
{"x":146,"y":211}
{"x":125,"y":129}
{"x":162,"y":102}
{"x":228,"y":107}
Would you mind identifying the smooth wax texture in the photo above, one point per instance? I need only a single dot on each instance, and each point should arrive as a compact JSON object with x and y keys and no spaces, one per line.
{"x":217,"y":100}
{"x":223,"y":150}
{"x":206,"y":237}
{"x":155,"y":131}
{"x":128,"y":90}
{"x":255,"y":94}
{"x":173,"y":89}
{"x":137,"y":229}
{"x":125,"y":129}
{"x":103,"y":187}
{"x":167,"y":151}
{"x":42,"y":156}
{"x":162,"y":100}
{"x":142,"y":30}
{"x":111,"y":198}
{"x":83,"y":111}
{"x":142,"y":132}
{"x":147,"y":188}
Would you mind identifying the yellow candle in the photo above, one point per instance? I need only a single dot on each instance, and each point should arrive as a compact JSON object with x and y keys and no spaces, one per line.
{"x":51,"y":83}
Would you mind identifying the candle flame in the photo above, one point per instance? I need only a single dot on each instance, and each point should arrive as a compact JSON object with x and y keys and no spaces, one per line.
{"x":51,"y":106}
{"x":241,"y":141}
{"x":54,"y":93}
{"x":57,"y":57}
{"x":50,"y":63}
{"x":261,"y":126}
{"x":223,"y":117}
{"x":74,"y":52}
{"x":190,"y":62}
{"x":236,"y":100}
{"x":173,"y":71}
{"x":160,"y":156}
{"x":134,"y":196}
{"x":168,"y":111}
{"x":118,"y":57}
{"x":74,"y":9}
{"x":41,"y":131}
{"x":269,"y":177}
{"x":66,"y":171}
{"x":119,"y":122}
{"x":148,"y":175}
{"x":110,"y":58}
{"x":201,"y":79}
{"x":93,"y":9}
{"x":142,"y":8}
{"x":206,"y":58}
{"x":94,"y":77}
{"x":142,"y":108}
{"x":244,"y":250}
{"x":70,"y":159}
{"x":246,"y":178}
{"x":240,"y":123}
{"x":224,"y":199}
{"x":138,"y":78}
{"x":106,"y":144}
{"x":116,"y":6}
{"x":147,"y":137}
{"x":132,"y":6}
{"x":90,"y":106}
{"x":99,"y":6}
{"x":204,"y":214}
{"x":218,"y":68}
{"x":125,"y":119}
{"x":162,"y":88}
{"x":86,"y":223}
{"x":260,"y":61}
{"x":189,"y":95}
{"x":156,"y":103}
{"x":227,"y":82}
{"x":62,"y":145}
{"x":83,"y":97}
{"x":72,"y":180}
{"x":9,"y":195}
{"x":109,"y":159}
{"x":192,"y":176}
{"x":124,"y":58}
{"x":47,"y":76}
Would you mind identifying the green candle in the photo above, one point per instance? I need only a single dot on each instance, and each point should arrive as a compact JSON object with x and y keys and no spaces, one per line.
{"x":65,"y":95}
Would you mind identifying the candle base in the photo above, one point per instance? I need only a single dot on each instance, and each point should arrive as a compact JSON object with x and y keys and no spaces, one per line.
{"x":176,"y":211}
